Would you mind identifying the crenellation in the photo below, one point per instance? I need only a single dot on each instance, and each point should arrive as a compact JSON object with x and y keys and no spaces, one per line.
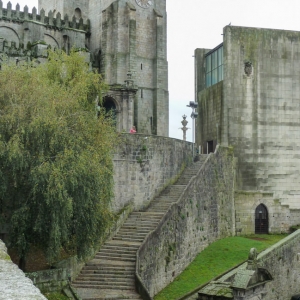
{"x":21,"y":16}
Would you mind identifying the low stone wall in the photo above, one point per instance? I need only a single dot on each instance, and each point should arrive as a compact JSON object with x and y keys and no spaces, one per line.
{"x":13,"y":283}
{"x":282,"y":260}
{"x":144,"y":165}
{"x":203,"y":214}
{"x":49,"y":280}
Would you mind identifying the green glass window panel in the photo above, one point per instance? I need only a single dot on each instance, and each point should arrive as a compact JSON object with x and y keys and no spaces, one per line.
{"x":214,"y":76}
{"x":208,"y":79}
{"x":208,"y":64}
{"x":214,"y":60}
{"x":220,"y":56}
{"x":220,"y":73}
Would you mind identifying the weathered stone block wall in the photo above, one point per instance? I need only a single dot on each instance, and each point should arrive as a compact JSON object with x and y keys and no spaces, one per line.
{"x":144,"y":165}
{"x":280,"y":217}
{"x":204,"y":213}
{"x":261,"y":116}
{"x":13,"y":283}
{"x":282,"y":260}
{"x":49,"y":280}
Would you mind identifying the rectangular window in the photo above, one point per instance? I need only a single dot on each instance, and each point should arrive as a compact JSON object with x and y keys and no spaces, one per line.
{"x":214,"y":66}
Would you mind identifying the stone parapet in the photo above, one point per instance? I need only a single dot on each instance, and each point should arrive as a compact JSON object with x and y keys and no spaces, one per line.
{"x":13,"y":283}
{"x":144,"y":165}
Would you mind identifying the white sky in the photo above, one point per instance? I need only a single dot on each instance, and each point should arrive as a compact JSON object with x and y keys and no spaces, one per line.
{"x":198,"y":24}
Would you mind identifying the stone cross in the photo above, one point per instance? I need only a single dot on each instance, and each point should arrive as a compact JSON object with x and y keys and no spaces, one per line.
{"x":184,"y":128}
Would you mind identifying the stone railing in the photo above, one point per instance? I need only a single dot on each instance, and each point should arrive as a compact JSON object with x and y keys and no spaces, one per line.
{"x":49,"y":20}
{"x":203,"y":214}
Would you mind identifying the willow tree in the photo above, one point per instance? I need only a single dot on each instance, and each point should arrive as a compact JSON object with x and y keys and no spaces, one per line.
{"x":56,"y":175}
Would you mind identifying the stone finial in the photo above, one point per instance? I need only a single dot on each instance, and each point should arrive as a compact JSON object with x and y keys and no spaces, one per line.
{"x":81,"y":24}
{"x":88,"y":23}
{"x":58,"y":19}
{"x":66,"y":19}
{"x":252,"y":259}
{"x":74,"y":22}
{"x":184,"y":122}
{"x":50,"y":16}
{"x":26,"y":12}
{"x":18,"y":11}
{"x":42,"y":14}
{"x":9,"y":10}
{"x":34,"y":11}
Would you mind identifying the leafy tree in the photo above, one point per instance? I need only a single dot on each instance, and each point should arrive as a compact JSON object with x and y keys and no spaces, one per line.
{"x":56,"y":173}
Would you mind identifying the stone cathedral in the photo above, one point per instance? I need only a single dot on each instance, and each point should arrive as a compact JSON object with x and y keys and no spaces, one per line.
{"x":124,"y":39}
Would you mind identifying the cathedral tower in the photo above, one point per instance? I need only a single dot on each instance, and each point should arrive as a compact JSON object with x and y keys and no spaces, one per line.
{"x":128,"y":43}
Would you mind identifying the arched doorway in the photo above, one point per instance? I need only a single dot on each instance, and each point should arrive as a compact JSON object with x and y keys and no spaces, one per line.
{"x":110,"y":107}
{"x":261,"y":220}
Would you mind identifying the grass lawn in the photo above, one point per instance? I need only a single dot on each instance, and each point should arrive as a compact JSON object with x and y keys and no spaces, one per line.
{"x":213,"y":261}
{"x":56,"y":296}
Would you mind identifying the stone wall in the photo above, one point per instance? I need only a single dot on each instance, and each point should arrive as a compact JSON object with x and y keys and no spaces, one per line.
{"x":144,"y":165}
{"x":282,"y":260}
{"x":13,"y":283}
{"x":204,"y":213}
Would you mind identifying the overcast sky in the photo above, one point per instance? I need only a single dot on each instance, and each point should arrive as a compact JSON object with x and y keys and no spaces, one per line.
{"x":198,"y":24}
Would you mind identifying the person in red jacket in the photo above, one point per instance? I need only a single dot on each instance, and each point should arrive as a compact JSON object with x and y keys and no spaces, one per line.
{"x":132,"y":130}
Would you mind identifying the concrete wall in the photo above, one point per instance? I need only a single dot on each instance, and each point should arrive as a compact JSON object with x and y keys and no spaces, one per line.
{"x":210,"y":109}
{"x":13,"y":283}
{"x":144,"y":165}
{"x":204,"y":213}
{"x":257,"y":110}
{"x":263,"y":121}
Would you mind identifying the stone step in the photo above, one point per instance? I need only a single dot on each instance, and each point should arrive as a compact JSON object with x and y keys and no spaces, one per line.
{"x":94,"y":285}
{"x":124,"y":238}
{"x":115,"y":257}
{"x":105,"y":279}
{"x":113,"y":267}
{"x":105,"y":272}
{"x":116,"y":249}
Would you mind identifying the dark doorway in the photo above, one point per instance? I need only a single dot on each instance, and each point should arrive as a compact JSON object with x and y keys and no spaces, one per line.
{"x":261,"y":220}
{"x":210,"y":147}
{"x":109,"y":106}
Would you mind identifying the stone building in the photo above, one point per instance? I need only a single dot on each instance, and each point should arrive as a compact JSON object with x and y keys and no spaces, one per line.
{"x":124,"y":40}
{"x":248,"y":91}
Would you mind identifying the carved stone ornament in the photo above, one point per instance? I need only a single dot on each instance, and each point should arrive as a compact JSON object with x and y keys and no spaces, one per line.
{"x":144,"y":3}
{"x":248,"y":68}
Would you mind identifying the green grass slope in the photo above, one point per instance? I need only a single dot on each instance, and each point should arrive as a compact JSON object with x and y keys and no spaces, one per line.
{"x":217,"y":258}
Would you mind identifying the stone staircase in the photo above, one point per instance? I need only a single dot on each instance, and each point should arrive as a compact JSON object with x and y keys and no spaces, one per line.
{"x":111,"y":274}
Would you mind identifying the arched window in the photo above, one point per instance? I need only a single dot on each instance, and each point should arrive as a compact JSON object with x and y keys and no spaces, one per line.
{"x":77,"y":13}
{"x":261,"y":220}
